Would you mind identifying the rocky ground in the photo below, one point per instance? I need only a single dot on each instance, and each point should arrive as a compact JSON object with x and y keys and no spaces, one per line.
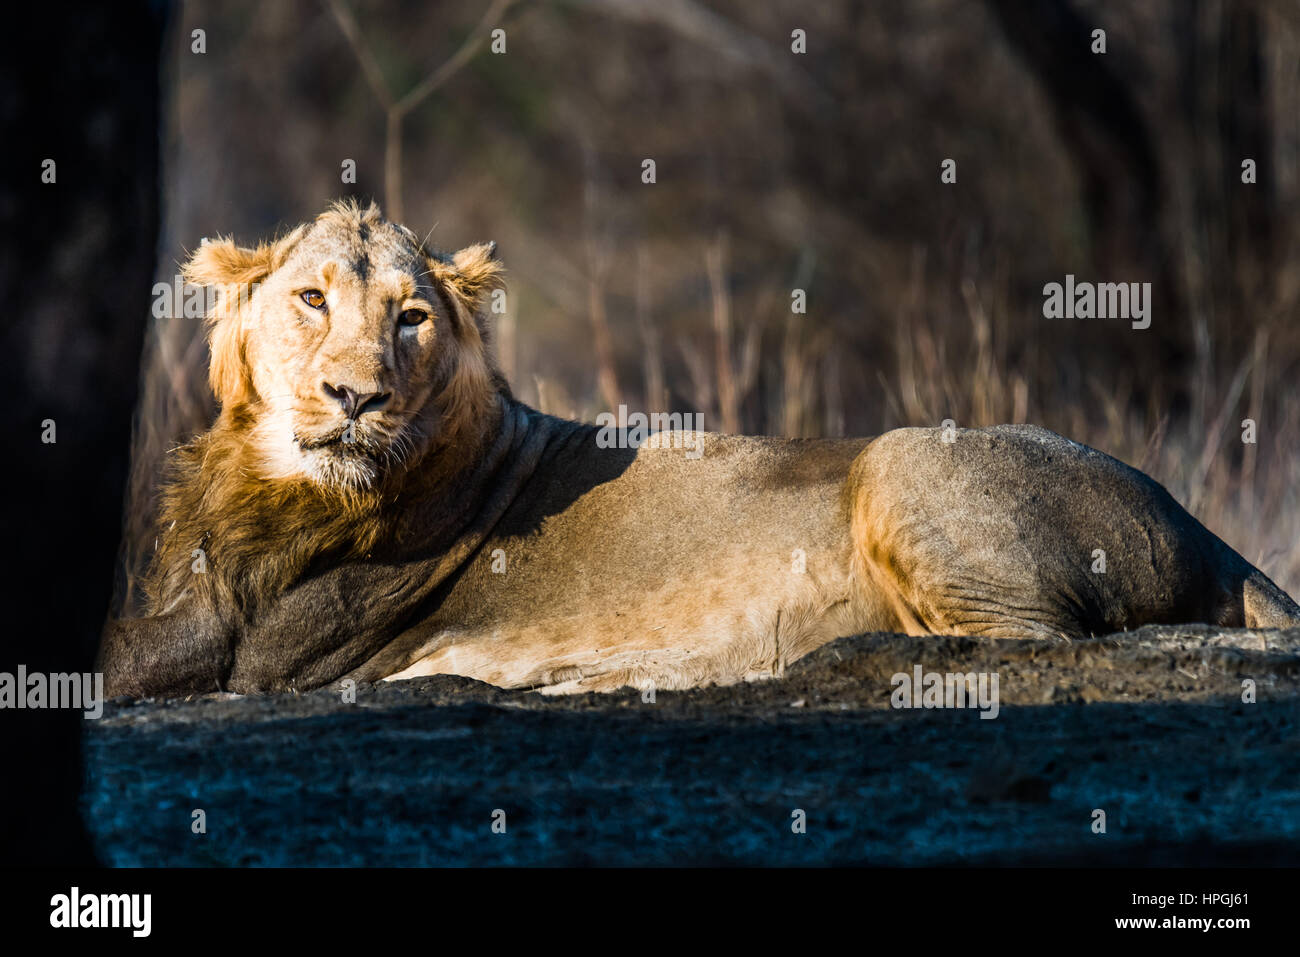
{"x":1148,"y":726}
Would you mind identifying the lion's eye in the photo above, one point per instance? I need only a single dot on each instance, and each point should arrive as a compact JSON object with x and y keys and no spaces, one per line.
{"x":412,"y":317}
{"x":314,"y":298}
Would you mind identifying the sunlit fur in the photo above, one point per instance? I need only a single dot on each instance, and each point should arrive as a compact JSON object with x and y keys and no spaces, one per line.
{"x":273,"y":485}
{"x":639,"y":566}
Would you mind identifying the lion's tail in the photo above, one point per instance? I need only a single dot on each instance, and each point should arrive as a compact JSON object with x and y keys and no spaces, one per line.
{"x":1265,"y":605}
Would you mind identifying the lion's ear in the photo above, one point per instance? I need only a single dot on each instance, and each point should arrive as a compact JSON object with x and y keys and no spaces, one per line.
{"x":476,"y":272}
{"x":219,"y":262}
{"x":233,"y":271}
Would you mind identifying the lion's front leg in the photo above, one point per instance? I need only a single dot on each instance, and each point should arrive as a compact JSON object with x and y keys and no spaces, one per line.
{"x":182,"y":652}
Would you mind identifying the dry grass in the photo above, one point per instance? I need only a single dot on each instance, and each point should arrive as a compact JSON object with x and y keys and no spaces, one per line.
{"x":951,"y":360}
{"x":923,"y":299}
{"x":1246,"y":493}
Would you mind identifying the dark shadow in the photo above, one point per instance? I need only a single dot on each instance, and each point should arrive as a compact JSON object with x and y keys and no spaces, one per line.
{"x":81,"y":89}
{"x":408,"y":773}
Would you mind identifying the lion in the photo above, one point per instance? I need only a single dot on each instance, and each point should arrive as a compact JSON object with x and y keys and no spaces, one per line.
{"x":373,"y":503}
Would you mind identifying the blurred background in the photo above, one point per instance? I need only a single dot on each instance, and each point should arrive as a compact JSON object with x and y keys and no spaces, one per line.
{"x":778,"y":170}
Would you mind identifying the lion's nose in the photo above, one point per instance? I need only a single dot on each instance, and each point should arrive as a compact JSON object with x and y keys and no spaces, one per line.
{"x":355,"y":403}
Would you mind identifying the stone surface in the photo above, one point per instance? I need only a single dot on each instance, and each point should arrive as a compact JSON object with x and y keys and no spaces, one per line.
{"x":1148,"y":726}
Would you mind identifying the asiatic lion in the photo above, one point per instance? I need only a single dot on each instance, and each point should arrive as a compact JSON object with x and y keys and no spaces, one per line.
{"x":373,"y":503}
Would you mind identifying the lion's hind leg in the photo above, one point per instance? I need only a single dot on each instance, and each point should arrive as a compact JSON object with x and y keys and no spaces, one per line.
{"x":940,"y":555}
{"x":953,"y":598}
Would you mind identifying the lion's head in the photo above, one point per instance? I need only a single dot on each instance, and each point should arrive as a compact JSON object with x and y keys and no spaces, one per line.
{"x":346,"y":349}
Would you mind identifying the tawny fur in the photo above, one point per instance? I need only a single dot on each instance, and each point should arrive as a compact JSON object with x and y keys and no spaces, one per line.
{"x":459,"y":531}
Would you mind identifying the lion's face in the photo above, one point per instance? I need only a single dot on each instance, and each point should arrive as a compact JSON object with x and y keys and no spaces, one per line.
{"x":345,"y":343}
{"x":355,"y":350}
